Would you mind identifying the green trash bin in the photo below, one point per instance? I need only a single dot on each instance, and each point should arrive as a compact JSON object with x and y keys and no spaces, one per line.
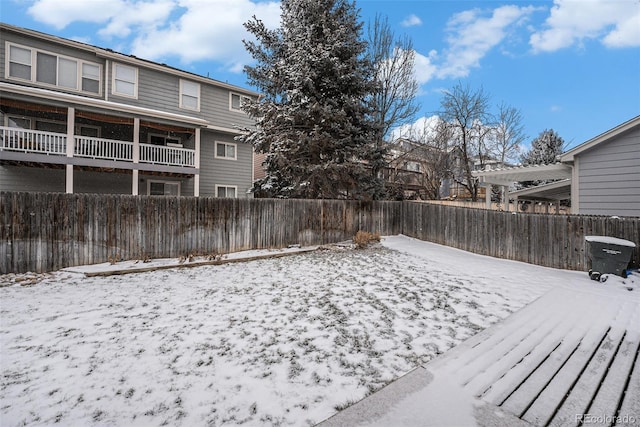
{"x":609,"y":255}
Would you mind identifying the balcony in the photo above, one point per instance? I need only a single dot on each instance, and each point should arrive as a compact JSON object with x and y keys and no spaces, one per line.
{"x":55,"y":144}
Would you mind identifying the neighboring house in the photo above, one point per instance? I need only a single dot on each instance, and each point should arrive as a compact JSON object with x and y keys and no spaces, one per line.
{"x":600,"y":176}
{"x":410,"y":169}
{"x":77,"y":118}
{"x":426,"y":172}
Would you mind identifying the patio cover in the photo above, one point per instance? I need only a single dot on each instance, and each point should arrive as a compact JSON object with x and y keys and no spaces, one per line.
{"x":507,"y":176}
{"x":552,"y":192}
{"x":559,"y":190}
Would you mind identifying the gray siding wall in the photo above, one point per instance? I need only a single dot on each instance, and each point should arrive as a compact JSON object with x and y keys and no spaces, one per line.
{"x":52,"y":48}
{"x":214,"y":171}
{"x":609,"y":177}
{"x":156,"y":89}
{"x":215,"y":107}
{"x":13,"y":178}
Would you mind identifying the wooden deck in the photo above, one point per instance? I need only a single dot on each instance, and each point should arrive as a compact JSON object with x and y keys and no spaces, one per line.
{"x":570,"y":358}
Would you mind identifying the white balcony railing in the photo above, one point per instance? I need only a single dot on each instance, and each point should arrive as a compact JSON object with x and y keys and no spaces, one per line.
{"x":107,"y":149}
{"x":160,"y":154}
{"x":31,"y":141}
{"x":50,"y":143}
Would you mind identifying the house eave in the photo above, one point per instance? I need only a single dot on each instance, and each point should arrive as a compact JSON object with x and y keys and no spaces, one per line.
{"x":223,"y":129}
{"x":570,"y":155}
{"x":46,"y":94}
{"x":109,"y":54}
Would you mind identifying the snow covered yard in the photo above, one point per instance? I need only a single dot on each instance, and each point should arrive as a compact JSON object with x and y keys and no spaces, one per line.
{"x":283,"y":341}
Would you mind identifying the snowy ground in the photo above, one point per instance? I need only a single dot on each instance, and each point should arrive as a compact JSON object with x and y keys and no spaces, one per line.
{"x":283,"y":341}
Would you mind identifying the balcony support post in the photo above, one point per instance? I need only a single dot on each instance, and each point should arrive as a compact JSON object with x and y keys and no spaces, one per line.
{"x":136,"y":156}
{"x":196,"y":177}
{"x":71,"y":143}
{"x":487,"y":196}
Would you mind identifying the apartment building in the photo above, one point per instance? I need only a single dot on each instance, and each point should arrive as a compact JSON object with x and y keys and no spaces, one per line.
{"x":77,"y":118}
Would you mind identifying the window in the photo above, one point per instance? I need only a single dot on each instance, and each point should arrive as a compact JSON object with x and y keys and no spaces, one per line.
{"x":19,"y":62}
{"x":67,"y":73}
{"x":19,"y":122}
{"x":163,"y":188}
{"x":157,"y":139}
{"x":226,"y":191}
{"x":236,"y":101}
{"x":225,"y":150}
{"x":125,"y":80}
{"x":52,"y":69}
{"x":88,"y":130}
{"x":412,"y":166}
{"x":90,"y":78}
{"x":189,"y":95}
{"x":46,"y":68}
{"x":51,"y":126}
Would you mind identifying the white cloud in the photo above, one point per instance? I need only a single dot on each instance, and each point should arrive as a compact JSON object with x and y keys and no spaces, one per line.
{"x":142,"y":15}
{"x":411,"y":21}
{"x":614,"y":23}
{"x":60,"y":14}
{"x":423,"y":129}
{"x":424,"y":67}
{"x":211,"y":30}
{"x":472,"y":36}
{"x":191,"y":30}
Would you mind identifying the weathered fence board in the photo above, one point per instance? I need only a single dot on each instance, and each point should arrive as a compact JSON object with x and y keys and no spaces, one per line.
{"x":48,"y":231}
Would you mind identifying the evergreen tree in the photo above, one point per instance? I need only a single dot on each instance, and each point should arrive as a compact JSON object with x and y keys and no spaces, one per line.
{"x":545,"y":149}
{"x":312,"y":121}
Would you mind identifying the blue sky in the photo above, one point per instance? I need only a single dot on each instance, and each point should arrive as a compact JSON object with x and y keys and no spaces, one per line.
{"x":573,"y":66}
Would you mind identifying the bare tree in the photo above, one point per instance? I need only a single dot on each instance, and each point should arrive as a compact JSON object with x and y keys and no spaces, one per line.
{"x":394,"y":104}
{"x":466,"y":112}
{"x":508,"y":133}
{"x":437,"y":166}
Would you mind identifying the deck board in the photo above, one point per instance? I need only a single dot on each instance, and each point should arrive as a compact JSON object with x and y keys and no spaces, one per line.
{"x":573,"y":351}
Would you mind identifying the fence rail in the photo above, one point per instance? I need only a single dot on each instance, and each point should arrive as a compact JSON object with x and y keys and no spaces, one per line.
{"x":48,"y":231}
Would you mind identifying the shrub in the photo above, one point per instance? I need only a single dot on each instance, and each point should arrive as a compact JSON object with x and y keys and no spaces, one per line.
{"x":363,"y":239}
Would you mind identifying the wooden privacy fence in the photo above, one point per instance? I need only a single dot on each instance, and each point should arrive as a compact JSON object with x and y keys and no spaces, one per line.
{"x":48,"y":231}
{"x":548,"y":240}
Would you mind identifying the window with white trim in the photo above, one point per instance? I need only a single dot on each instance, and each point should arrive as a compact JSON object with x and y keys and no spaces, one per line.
{"x":88,"y":130}
{"x":163,"y":188}
{"x":125,"y":80}
{"x":227,"y":191}
{"x":236,"y":101}
{"x":90,"y":78}
{"x":18,"y":122}
{"x":51,"y":69}
{"x":226,"y":150}
{"x":19,"y":62}
{"x":189,"y":95}
{"x":158,"y":139}
{"x":51,"y":126}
